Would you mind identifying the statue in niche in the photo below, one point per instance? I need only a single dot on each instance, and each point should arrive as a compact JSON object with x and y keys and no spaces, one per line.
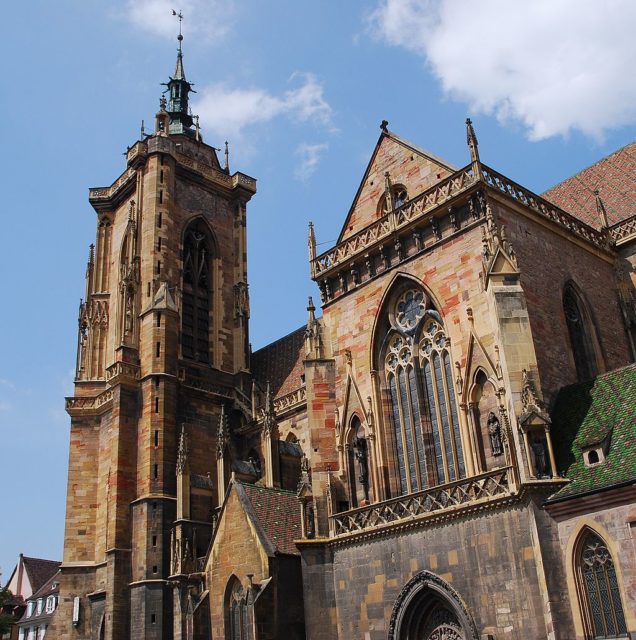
{"x":540,"y":458}
{"x":494,"y":432}
{"x":310,"y":524}
{"x":362,"y":456}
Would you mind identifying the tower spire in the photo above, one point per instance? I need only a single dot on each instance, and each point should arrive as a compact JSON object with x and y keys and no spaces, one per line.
{"x":179,"y":89}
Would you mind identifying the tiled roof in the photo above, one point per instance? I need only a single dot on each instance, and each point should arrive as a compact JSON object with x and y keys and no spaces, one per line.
{"x":39,"y":571}
{"x":278,"y":513}
{"x":281,"y":363}
{"x":586,"y":414}
{"x":50,"y":587}
{"x":615,"y":179}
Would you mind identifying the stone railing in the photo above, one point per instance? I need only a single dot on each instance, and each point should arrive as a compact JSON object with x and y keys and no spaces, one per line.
{"x":623,"y":230}
{"x":437,"y":501}
{"x":290,"y":400}
{"x":215,"y":175}
{"x":109,"y":192}
{"x":125,"y":369}
{"x":414,"y":209}
{"x":200,"y":384}
{"x":543,"y":207}
{"x":89,"y":403}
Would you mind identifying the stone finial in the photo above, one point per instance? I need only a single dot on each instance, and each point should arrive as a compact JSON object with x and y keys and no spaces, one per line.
{"x":182,"y":452}
{"x":311,"y":242}
{"x":313,"y":342}
{"x":269,"y":415}
{"x":223,"y":433}
{"x":384,"y":126}
{"x":227,"y":156}
{"x":600,"y":209}
{"x":529,"y":397}
{"x":471,"y":140}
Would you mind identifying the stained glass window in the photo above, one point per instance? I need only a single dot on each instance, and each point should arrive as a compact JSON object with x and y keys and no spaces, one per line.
{"x":600,"y":587}
{"x":426,"y":428}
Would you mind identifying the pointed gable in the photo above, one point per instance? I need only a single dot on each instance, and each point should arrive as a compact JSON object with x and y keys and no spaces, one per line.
{"x":409,"y":166}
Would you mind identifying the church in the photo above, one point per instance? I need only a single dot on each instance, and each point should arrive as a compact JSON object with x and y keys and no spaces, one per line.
{"x":447,"y":451}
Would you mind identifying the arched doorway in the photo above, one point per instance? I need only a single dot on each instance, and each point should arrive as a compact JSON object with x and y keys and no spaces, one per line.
{"x":430,"y":609}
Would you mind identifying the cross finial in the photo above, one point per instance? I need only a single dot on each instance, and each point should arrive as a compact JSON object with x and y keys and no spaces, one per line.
{"x":384,"y":125}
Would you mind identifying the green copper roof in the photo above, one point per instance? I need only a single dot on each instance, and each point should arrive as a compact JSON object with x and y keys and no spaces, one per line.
{"x":602,"y":411}
{"x":179,"y":73}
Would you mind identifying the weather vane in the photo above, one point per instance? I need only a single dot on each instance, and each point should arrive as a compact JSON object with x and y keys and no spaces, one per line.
{"x":180,"y":16}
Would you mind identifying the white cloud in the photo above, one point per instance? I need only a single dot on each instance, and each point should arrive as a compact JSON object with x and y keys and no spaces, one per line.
{"x":227,"y":111}
{"x":309,"y":156}
{"x":554,"y":65}
{"x":210,"y":19}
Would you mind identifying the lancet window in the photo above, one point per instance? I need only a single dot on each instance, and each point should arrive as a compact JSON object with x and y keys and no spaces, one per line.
{"x":424,"y":417}
{"x":599,"y":589}
{"x":237,"y":615}
{"x":580,"y":335}
{"x":197,"y":293}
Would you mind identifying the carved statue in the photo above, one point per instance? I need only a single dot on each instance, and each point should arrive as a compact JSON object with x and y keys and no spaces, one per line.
{"x":494,"y":432}
{"x":362,"y":456}
{"x":540,"y":458}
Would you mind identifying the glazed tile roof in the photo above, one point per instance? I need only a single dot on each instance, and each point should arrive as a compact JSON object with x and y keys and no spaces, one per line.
{"x":602,"y":410}
{"x":615,"y":179}
{"x":278,"y":514}
{"x":281,"y":363}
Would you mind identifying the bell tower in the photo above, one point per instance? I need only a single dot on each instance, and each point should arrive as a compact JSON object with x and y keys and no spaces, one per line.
{"x":163,"y":350}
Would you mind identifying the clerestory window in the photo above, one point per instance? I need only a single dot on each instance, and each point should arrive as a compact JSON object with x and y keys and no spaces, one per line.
{"x":581,"y":338}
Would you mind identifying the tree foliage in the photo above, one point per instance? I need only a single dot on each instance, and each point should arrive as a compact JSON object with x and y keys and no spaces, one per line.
{"x":5,"y":619}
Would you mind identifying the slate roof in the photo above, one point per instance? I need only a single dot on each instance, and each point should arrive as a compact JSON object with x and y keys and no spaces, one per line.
{"x":50,"y":588}
{"x":590,"y":413}
{"x":278,"y":514}
{"x":615,"y":178}
{"x":39,"y":570}
{"x":281,"y":363}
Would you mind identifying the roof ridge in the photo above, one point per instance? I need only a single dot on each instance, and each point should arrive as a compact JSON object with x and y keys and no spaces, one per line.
{"x":421,"y":150}
{"x":578,"y":173}
{"x":302,"y":327}
{"x":263,"y":488}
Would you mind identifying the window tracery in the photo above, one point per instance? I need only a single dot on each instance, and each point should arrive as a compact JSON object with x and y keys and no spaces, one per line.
{"x":600,"y":590}
{"x":424,"y":417}
{"x":197,"y":290}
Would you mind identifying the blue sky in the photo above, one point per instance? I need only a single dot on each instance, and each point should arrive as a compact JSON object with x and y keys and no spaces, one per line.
{"x":299,"y":90}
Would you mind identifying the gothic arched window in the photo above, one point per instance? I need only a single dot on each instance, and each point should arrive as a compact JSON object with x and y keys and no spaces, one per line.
{"x":580,"y":335}
{"x":197,"y":293}
{"x":237,"y":622}
{"x":424,"y":417}
{"x":600,"y":594}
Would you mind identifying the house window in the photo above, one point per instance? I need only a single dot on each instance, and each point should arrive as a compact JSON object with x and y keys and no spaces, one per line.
{"x":419,"y":380}
{"x":30,"y":608}
{"x":50,"y":604}
{"x":600,"y":592}
{"x":39,"y":607}
{"x":197,"y":289}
